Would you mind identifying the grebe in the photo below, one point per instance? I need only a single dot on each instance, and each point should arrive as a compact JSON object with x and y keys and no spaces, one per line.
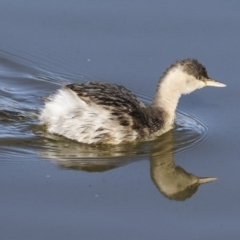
{"x":98,"y":112}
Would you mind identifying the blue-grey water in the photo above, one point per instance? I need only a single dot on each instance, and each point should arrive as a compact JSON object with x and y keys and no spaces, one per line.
{"x":54,"y":188}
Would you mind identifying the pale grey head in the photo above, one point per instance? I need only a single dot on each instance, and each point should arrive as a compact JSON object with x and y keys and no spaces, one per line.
{"x":195,"y":69}
{"x":182,"y":77}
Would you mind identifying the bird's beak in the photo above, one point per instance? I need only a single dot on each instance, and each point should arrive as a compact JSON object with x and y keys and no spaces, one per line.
{"x":206,"y":180}
{"x":213,"y":83}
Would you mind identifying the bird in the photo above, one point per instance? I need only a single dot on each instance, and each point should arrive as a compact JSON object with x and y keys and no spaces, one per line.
{"x":98,"y":112}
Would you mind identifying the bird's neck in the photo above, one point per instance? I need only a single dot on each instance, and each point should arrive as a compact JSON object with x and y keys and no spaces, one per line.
{"x":169,"y":91}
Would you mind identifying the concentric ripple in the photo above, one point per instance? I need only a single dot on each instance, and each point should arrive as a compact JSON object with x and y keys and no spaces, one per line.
{"x":22,"y":136}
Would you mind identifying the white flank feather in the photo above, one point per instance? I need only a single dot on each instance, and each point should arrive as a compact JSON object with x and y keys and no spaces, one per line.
{"x":66,"y":114}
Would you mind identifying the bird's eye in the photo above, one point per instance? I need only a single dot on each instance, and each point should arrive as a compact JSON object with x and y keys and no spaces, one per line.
{"x":199,"y":77}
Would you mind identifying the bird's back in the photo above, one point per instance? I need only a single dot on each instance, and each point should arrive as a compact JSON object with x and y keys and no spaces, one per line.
{"x":97,"y":112}
{"x":110,"y":96}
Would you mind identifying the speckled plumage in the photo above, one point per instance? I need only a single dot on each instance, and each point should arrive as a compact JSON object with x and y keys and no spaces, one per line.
{"x":98,"y":112}
{"x":122,"y":104}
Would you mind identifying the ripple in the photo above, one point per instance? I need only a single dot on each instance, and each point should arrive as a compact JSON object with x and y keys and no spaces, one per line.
{"x":189,"y":131}
{"x":22,"y":132}
{"x":23,"y":85}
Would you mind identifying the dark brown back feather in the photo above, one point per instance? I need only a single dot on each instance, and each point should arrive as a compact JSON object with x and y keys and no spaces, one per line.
{"x":122,"y":104}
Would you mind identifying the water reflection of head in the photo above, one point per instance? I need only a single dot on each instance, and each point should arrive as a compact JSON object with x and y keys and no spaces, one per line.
{"x":171,"y":180}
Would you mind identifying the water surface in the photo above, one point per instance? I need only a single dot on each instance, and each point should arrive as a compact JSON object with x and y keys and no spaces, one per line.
{"x":54,"y":188}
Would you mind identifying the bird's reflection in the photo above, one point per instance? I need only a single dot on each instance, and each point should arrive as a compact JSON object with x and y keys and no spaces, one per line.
{"x":171,"y":180}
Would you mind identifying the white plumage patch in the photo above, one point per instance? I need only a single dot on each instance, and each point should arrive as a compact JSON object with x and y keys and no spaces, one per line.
{"x":68,"y":115}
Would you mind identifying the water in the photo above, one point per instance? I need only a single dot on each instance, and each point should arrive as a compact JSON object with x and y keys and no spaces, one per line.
{"x":54,"y":188}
